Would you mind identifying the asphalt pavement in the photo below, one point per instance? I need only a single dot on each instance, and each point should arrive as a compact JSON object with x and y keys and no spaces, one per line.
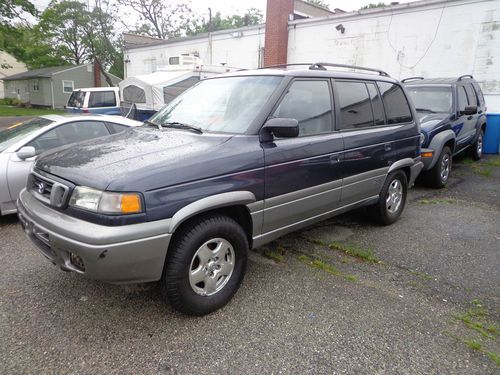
{"x":427,"y":303}
{"x":6,"y":121}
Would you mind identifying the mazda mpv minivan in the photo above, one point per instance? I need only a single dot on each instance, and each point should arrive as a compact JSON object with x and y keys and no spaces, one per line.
{"x":231,"y":164}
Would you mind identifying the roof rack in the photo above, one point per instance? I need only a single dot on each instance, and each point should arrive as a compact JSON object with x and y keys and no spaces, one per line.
{"x":464,"y":76}
{"x":322,"y":65}
{"x":411,"y":79}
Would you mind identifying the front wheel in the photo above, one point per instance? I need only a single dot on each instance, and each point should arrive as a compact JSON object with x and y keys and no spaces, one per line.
{"x":438,"y":176}
{"x":205,"y":264}
{"x":477,"y":147}
{"x":392,"y":198}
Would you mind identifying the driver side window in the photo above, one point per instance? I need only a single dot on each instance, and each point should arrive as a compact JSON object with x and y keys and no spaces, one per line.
{"x":68,"y":133}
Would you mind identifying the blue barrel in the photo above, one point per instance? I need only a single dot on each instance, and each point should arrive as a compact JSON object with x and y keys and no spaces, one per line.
{"x":491,"y":142}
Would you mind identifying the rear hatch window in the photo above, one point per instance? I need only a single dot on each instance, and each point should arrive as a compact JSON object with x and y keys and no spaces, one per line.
{"x":76,"y":99}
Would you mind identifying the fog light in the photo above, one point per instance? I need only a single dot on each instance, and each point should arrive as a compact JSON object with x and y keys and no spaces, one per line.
{"x":77,"y":262}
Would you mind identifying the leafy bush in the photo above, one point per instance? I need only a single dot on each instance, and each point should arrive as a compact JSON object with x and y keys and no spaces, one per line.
{"x":10,"y":101}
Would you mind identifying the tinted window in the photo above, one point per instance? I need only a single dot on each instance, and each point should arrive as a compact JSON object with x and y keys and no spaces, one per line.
{"x":69,"y":133}
{"x":16,"y":132}
{"x":471,"y":95}
{"x":396,"y":106}
{"x":134,"y":94}
{"x":378,"y":109}
{"x":355,"y":105}
{"x":462,"y":98}
{"x":479,"y":94}
{"x":116,"y":128}
{"x":102,"y":99}
{"x":309,"y":103}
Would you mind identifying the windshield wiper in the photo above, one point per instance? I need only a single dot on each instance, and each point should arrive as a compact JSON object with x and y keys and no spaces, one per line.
{"x":152,"y":124}
{"x":424,"y":110}
{"x":180,"y":125}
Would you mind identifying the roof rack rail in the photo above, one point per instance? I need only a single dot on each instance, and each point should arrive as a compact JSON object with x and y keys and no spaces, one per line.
{"x":322,"y":65}
{"x":411,"y":79}
{"x":464,"y":76}
{"x":284,"y":65}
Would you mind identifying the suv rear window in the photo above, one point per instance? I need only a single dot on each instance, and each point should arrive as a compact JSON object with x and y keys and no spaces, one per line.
{"x":102,"y":99}
{"x":396,"y":106}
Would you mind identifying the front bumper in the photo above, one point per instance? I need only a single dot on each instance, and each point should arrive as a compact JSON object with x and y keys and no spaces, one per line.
{"x":119,"y":255}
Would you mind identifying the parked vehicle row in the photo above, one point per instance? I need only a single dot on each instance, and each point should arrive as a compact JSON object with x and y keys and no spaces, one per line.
{"x":452,"y":115}
{"x":231,"y":164}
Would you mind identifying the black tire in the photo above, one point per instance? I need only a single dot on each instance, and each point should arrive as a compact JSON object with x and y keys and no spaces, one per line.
{"x":438,"y":176}
{"x":176,"y":284}
{"x":477,"y":147}
{"x":380,"y":211}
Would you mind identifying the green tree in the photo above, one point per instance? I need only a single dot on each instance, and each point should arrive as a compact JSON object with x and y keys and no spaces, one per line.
{"x":159,"y":18}
{"x":13,"y":11}
{"x":374,"y":5}
{"x":319,"y":3}
{"x":253,"y":16}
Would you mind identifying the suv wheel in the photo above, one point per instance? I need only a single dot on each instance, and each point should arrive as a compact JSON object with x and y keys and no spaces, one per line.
{"x":392,"y":198}
{"x":477,"y":147}
{"x":205,"y":265}
{"x":438,"y":176}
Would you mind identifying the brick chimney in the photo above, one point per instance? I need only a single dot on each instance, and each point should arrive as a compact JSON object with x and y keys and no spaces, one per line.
{"x":97,"y":74}
{"x":276,"y":44}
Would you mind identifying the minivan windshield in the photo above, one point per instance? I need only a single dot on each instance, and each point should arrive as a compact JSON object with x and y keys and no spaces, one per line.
{"x":20,"y":130}
{"x":226,"y":104}
{"x":432,"y":99}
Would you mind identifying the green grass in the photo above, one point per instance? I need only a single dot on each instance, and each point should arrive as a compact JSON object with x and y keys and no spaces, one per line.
{"x":474,"y":345}
{"x":438,"y":201}
{"x":325,"y":266}
{"x":494,"y":357}
{"x":276,"y":254}
{"x":355,"y":251}
{"x":493,"y":162}
{"x":474,"y":318}
{"x":15,"y":111}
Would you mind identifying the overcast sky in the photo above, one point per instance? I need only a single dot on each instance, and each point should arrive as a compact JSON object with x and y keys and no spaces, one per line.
{"x":228,"y":7}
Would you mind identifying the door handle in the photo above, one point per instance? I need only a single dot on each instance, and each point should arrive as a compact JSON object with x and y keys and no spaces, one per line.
{"x":334,"y":159}
{"x":470,"y":117}
{"x":387,"y":147}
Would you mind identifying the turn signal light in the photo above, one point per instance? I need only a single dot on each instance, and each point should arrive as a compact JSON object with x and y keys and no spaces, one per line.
{"x":427,"y":154}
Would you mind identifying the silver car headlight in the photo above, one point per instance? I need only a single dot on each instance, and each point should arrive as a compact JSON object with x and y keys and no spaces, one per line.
{"x":105,"y":202}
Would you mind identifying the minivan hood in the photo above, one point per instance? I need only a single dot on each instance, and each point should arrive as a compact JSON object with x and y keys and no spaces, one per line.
{"x":132,"y":153}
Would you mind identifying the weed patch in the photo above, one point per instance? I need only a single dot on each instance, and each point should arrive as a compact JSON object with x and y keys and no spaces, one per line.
{"x":355,"y":251}
{"x":276,"y":254}
{"x":438,"y":201}
{"x":325,"y":266}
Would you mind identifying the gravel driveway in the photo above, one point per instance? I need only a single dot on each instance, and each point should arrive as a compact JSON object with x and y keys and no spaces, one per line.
{"x":418,"y":297}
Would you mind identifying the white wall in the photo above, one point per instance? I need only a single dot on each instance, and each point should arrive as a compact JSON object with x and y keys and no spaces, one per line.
{"x":9,"y":66}
{"x":467,"y":41}
{"x":235,"y":48}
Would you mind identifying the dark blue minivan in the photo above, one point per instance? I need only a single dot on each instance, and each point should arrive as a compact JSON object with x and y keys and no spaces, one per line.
{"x":234,"y":162}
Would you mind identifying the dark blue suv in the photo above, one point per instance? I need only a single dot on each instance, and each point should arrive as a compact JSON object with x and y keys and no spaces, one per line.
{"x":231,"y":164}
{"x":452,"y":114}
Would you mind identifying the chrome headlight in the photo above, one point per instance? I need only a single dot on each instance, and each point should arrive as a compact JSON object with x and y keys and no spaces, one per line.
{"x":422,"y":138}
{"x":105,"y":202}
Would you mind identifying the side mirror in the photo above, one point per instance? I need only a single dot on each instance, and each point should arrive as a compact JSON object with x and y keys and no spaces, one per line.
{"x":469,"y":110}
{"x":279,"y":127}
{"x":26,"y":152}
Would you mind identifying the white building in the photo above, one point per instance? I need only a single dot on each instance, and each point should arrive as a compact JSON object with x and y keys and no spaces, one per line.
{"x":430,"y":38}
{"x":8,"y":66}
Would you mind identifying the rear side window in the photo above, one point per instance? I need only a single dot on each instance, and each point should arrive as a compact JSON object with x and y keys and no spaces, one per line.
{"x":462,"y":98}
{"x":479,"y":93}
{"x":471,"y":94}
{"x":355,"y":105}
{"x":309,"y":102}
{"x":76,"y":99}
{"x":378,"y":109}
{"x":396,"y":106}
{"x":102,"y":99}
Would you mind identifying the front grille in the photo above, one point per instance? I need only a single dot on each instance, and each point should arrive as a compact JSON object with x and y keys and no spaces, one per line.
{"x":48,"y":191}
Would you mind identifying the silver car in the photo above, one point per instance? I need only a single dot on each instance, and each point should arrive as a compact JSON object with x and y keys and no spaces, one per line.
{"x":21,"y":143}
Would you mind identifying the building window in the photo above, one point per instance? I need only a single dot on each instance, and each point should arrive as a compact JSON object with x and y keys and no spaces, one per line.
{"x":36,"y":86}
{"x":68,"y":86}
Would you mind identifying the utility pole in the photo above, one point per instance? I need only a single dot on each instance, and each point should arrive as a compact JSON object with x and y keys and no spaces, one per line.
{"x":210,"y":29}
